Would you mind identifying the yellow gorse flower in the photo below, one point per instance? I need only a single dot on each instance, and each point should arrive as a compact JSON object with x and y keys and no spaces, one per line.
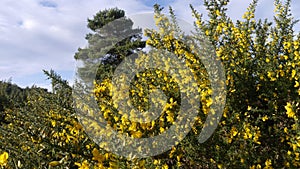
{"x":83,"y":165}
{"x":3,"y":159}
{"x":289,"y":110}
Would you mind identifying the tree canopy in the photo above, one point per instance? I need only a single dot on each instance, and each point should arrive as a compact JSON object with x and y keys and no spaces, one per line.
{"x":106,"y":45}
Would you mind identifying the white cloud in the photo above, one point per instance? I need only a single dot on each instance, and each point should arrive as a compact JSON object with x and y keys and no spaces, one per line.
{"x":183,"y":10}
{"x":38,"y":35}
{"x":45,"y":34}
{"x":28,"y":24}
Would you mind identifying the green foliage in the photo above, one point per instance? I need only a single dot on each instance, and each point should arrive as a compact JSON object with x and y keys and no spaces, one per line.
{"x":104,"y":17}
{"x":108,"y":44}
{"x":11,"y":94}
{"x":260,"y":123}
{"x":42,"y":130}
{"x":262,"y":109}
{"x":61,"y":88}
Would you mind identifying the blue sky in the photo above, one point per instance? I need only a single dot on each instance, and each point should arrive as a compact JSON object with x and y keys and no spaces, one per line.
{"x":45,"y":34}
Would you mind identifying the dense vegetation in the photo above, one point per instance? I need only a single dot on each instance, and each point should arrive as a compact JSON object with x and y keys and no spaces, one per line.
{"x":260,"y":123}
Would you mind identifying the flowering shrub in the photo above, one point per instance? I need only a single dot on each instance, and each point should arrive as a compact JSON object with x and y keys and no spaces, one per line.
{"x":262,"y":72}
{"x":3,"y":159}
{"x":259,"y":127}
{"x":261,"y":113}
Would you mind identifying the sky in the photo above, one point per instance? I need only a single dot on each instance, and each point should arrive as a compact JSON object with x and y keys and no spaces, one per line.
{"x":38,"y":35}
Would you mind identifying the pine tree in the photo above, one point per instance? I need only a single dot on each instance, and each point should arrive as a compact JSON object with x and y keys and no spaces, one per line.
{"x":113,"y":38}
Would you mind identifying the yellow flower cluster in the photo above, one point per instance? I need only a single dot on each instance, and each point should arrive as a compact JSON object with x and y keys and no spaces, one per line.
{"x":289,"y":111}
{"x":3,"y":159}
{"x":262,"y":87}
{"x":259,"y":127}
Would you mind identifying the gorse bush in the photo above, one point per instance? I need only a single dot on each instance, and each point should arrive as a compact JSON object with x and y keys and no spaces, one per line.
{"x":44,"y":131}
{"x":259,"y":127}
